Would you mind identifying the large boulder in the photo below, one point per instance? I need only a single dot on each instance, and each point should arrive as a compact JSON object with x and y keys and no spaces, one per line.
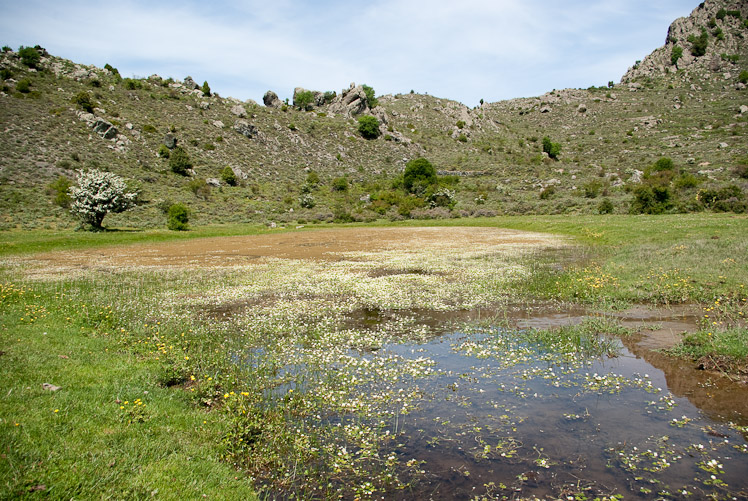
{"x":105,"y":129}
{"x":239,"y":111}
{"x":190,"y":83}
{"x":170,"y":141}
{"x":271,"y":100}
{"x":246,"y":129}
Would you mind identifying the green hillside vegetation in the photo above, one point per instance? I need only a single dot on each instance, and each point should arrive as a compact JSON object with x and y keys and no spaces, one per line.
{"x":573,"y":151}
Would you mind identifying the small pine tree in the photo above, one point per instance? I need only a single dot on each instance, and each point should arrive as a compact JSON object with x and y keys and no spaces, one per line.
{"x":206,"y":89}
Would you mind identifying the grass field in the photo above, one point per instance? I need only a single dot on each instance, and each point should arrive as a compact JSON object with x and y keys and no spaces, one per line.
{"x":170,"y":379}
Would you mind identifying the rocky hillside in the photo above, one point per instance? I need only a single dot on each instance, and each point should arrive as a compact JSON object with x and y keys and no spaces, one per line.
{"x":306,"y":161}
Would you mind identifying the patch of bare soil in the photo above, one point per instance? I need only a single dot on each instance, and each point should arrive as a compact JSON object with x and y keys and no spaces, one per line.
{"x":328,"y":244}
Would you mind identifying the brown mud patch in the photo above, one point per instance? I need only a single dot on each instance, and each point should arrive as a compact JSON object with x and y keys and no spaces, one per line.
{"x":326,"y":245}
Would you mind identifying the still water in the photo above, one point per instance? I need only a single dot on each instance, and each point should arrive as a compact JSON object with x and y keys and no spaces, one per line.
{"x":503,"y":418}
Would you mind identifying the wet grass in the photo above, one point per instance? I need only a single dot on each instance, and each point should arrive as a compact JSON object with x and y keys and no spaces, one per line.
{"x":155,"y":393}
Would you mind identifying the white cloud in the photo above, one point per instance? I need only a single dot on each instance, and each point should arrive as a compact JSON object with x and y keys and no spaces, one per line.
{"x":461,"y":50}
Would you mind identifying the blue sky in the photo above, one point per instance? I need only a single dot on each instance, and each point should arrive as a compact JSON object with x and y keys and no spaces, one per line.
{"x":465,"y":50}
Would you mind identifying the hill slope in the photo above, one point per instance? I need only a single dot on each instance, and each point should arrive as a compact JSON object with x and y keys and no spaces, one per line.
{"x":689,"y":111}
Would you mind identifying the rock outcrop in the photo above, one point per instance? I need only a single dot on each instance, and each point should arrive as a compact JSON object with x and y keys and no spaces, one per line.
{"x":724,"y":34}
{"x":350,"y":102}
{"x":271,"y":100}
{"x":246,"y":129}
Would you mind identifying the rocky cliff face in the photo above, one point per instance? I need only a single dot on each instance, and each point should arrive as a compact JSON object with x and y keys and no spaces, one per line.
{"x":722,"y":23}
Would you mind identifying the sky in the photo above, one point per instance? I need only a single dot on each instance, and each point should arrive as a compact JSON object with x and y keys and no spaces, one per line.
{"x":466,"y":50}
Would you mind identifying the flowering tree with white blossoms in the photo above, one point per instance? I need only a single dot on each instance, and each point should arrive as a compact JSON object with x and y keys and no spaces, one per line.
{"x":97,"y":194}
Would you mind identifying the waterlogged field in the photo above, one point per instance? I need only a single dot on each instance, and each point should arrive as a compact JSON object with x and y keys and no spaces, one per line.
{"x":406,"y":363}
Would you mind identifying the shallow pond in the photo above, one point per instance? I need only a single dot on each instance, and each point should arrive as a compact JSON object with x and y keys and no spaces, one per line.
{"x":502,"y":416}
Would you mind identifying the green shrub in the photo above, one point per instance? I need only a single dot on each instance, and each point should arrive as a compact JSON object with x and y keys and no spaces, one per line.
{"x":368,"y":127}
{"x":29,"y":56}
{"x":743,"y":77}
{"x":419,"y":175}
{"x":179,"y":161}
{"x":209,"y":146}
{"x":228,"y":176}
{"x":114,"y":71}
{"x":329,"y":96}
{"x":5,"y":73}
{"x":592,"y":189}
{"x":721,"y":13}
{"x":686,"y":181}
{"x":371,"y":99}
{"x":675,"y":54}
{"x":651,"y":200}
{"x":149,"y":128}
{"x":303,"y":100}
{"x":24,"y":86}
{"x":605,"y":206}
{"x":163,"y":151}
{"x":340,"y":184}
{"x":200,"y":188}
{"x":59,"y":190}
{"x":547,"y":192}
{"x":178,"y":217}
{"x":551,"y":148}
{"x":460,"y":124}
{"x":462,"y":138}
{"x":663,"y":164}
{"x":206,"y":89}
{"x":699,"y":44}
{"x":84,"y":101}
{"x":132,"y":84}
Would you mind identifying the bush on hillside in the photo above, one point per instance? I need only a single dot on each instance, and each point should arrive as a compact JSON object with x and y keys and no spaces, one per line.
{"x":368,"y":127}
{"x":97,"y":194}
{"x":743,"y":77}
{"x":419,"y":176}
{"x":59,"y":190}
{"x":29,"y":56}
{"x":371,"y":99}
{"x":163,"y":151}
{"x":605,"y":206}
{"x":551,"y":148}
{"x":676,"y":54}
{"x":340,"y":184}
{"x":179,"y":161}
{"x":84,"y":101}
{"x":178,"y":217}
{"x":699,"y":44}
{"x":303,"y":100}
{"x":24,"y":86}
{"x":228,"y":176}
{"x":651,"y":200}
{"x":206,"y":89}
